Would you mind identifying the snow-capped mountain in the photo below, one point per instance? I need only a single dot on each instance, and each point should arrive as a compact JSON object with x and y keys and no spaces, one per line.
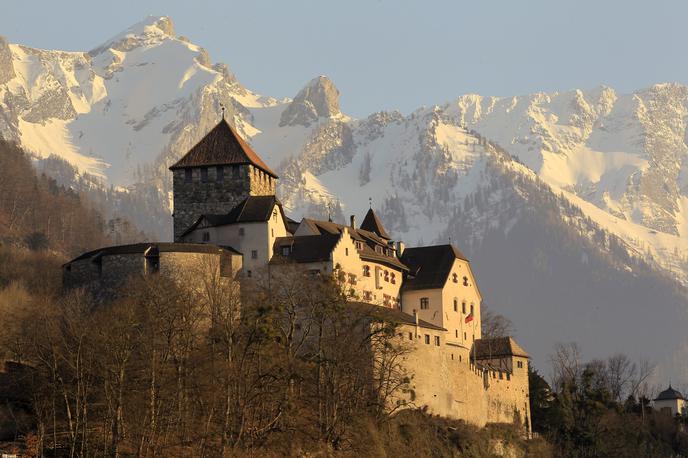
{"x":573,"y":206}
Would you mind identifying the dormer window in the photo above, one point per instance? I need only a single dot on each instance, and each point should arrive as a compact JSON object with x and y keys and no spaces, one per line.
{"x":204,"y":174}
{"x":286,"y":250}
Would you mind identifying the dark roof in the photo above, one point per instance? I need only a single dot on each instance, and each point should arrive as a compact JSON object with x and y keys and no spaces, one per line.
{"x":153,"y":248}
{"x":222,"y":146}
{"x":392,"y":315}
{"x":669,"y":395}
{"x":305,"y":248}
{"x":430,"y":265}
{"x":253,"y":209}
{"x":372,"y":223}
{"x":369,"y":238}
{"x":497,"y":347}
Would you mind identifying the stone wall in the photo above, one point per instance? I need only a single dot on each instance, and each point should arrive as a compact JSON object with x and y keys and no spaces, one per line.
{"x":195,"y":198}
{"x":455,"y":388}
{"x":106,"y":278}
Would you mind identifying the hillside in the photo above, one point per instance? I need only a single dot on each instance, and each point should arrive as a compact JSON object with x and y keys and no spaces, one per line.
{"x":571,"y":205}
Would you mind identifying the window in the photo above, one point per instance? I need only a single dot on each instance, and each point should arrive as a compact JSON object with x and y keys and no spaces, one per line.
{"x":272,"y":232}
{"x":464,"y":336}
{"x":220,"y":173}
{"x":254,"y":254}
{"x":206,"y":236}
{"x":387,"y":276}
{"x":455,"y":278}
{"x":248,"y":273}
{"x":463,"y":307}
{"x":456,"y":333}
{"x":352,"y":279}
{"x":393,"y":278}
{"x":378,"y":249}
{"x":460,"y":358}
{"x":236,"y":171}
{"x":424,"y":303}
{"x":501,"y":375}
{"x":456,"y":305}
{"x":286,"y":250}
{"x":465,"y":281}
{"x":427,"y":339}
{"x":410,"y":336}
{"x":366,"y":271}
{"x":188,"y":175}
{"x":519,"y":364}
{"x":346,"y":252}
{"x":437,"y":341}
{"x":508,"y":376}
{"x":274,"y":215}
{"x":471,"y":309}
{"x":204,"y":174}
{"x":367,"y":296}
{"x":241,"y":231}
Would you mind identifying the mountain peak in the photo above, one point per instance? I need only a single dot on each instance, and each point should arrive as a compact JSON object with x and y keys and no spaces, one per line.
{"x":318,"y":99}
{"x":151,"y":29}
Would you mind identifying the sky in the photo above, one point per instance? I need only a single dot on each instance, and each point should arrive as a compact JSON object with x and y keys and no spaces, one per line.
{"x":394,"y":54}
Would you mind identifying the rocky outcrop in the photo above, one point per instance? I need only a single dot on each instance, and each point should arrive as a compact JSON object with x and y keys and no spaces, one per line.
{"x":6,"y":67}
{"x":319,"y":99}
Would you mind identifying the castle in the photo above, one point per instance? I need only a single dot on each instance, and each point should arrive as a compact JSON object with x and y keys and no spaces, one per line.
{"x":225,"y":208}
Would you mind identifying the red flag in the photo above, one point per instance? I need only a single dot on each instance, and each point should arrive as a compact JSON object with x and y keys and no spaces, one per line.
{"x":469,"y":318}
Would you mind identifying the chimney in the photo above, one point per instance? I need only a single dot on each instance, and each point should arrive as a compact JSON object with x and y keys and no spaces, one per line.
{"x":401,"y":246}
{"x":353,"y":221}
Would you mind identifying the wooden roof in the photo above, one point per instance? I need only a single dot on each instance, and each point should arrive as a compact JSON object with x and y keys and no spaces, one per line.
{"x":222,"y":146}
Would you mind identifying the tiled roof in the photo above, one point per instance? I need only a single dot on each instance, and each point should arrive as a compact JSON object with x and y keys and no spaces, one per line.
{"x":430,"y":266}
{"x":155,"y":248}
{"x":369,"y":239}
{"x":253,"y":209}
{"x":373,"y":224}
{"x":222,"y":146}
{"x":498,"y":347}
{"x":305,"y":248}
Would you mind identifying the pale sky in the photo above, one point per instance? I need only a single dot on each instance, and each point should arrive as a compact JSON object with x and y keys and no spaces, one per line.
{"x":394,"y":54}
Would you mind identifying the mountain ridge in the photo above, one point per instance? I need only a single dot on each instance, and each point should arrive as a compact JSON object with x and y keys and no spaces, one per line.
{"x":610,"y":170}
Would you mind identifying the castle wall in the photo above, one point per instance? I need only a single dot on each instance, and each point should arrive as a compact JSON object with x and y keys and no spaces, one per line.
{"x":106,"y":280}
{"x":457,"y":389}
{"x":195,"y":198}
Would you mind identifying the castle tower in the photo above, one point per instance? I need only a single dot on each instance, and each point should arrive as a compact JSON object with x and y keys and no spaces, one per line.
{"x":215,"y":175}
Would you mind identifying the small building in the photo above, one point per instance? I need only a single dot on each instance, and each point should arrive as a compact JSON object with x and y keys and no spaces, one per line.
{"x":671,"y":402}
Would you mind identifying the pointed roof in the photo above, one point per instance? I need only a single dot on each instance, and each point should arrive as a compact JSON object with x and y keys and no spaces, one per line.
{"x":430,"y":265}
{"x":498,"y":347}
{"x":373,"y":224}
{"x":669,"y":394}
{"x":222,"y":146}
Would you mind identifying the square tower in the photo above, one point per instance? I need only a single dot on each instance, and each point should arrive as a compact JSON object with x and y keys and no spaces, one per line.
{"x":215,"y":175}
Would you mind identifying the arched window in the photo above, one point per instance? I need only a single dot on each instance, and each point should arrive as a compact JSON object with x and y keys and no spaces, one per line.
{"x":456,"y":305}
{"x":455,"y":278}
